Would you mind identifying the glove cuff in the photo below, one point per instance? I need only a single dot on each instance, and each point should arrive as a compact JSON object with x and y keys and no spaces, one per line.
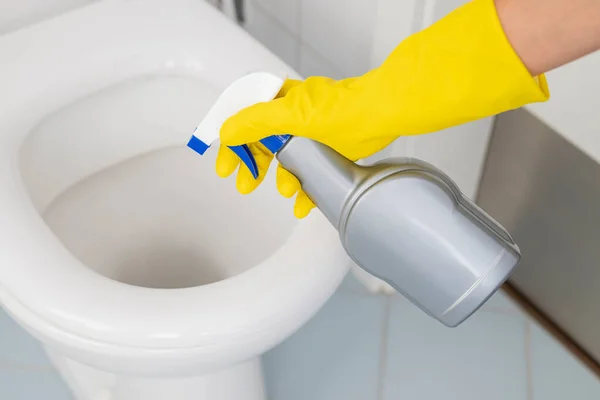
{"x":459,"y":69}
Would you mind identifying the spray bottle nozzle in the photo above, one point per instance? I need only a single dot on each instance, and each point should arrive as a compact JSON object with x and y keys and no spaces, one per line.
{"x":244,"y":92}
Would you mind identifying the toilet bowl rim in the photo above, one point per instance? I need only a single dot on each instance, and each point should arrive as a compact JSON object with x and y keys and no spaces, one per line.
{"x":246,"y":330}
{"x":141,"y":20}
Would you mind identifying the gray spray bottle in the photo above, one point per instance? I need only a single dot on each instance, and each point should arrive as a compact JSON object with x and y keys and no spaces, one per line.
{"x":401,"y":220}
{"x":407,"y":223}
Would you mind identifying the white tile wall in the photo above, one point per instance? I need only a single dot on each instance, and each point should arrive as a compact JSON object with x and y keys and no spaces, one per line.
{"x":314,"y":64}
{"x":287,"y":12}
{"x":326,"y":34}
{"x":341,"y":31}
{"x":273,"y":33}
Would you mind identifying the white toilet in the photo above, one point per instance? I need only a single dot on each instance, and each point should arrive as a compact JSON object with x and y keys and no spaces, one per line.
{"x":143,"y":274}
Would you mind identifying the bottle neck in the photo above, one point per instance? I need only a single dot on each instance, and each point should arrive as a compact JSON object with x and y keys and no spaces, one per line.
{"x":327,"y":177}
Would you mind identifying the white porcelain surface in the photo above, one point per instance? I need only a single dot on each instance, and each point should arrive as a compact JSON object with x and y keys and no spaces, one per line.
{"x":119,"y":247}
{"x":21,"y":13}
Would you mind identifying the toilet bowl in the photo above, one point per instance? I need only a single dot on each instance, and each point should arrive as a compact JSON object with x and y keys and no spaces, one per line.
{"x":143,"y":274}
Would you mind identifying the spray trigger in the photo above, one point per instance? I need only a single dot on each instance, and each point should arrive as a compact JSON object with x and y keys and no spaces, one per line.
{"x":272,"y":143}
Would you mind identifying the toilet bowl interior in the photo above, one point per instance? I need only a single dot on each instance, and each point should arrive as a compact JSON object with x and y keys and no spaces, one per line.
{"x":112,"y":178}
{"x":98,"y":105}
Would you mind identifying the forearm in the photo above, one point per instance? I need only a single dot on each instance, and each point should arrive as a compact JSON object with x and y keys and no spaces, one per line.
{"x":549,"y":33}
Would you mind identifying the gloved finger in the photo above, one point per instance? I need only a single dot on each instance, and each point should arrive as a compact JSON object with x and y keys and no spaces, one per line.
{"x":245,"y":182}
{"x":257,"y":122}
{"x":303,"y":205}
{"x":287,"y":184}
{"x":227,"y":162}
{"x":305,"y":110}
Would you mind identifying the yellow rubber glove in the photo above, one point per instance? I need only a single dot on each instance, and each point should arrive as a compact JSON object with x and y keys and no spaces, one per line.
{"x":460,"y":69}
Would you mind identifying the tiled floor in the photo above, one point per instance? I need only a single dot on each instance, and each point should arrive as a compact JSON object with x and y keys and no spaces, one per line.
{"x":372,"y":347}
{"x":482,"y":358}
{"x":498,"y":354}
{"x":334,"y":348}
{"x":25,"y":371}
{"x":555,"y":374}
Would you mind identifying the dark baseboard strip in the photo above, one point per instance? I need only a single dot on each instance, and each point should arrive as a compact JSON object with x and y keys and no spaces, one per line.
{"x":555,"y":330}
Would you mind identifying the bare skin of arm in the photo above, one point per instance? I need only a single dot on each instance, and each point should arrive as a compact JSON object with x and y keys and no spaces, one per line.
{"x":549,"y":33}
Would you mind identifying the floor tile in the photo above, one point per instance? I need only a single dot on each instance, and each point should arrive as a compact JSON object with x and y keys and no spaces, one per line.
{"x":556,"y":374}
{"x":24,"y":385}
{"x":334,"y":356}
{"x":483,"y":358}
{"x":17,"y":346}
{"x":500,"y":302}
{"x":20,"y":14}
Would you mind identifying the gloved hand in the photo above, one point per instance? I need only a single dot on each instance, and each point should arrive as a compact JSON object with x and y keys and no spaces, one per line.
{"x":460,"y":69}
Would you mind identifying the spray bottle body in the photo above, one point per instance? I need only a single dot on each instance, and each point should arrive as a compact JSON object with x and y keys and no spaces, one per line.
{"x":403,"y":221}
{"x":407,"y":223}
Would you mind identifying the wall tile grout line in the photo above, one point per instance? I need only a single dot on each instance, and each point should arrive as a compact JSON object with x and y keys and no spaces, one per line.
{"x":299,"y":38}
{"x":383,"y":351}
{"x":528,"y":360}
{"x":277,"y":22}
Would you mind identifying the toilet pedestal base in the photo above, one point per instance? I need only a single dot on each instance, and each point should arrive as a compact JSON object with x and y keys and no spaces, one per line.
{"x":243,"y":381}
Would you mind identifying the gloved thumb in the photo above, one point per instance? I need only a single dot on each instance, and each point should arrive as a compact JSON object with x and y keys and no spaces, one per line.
{"x":257,"y":122}
{"x":261,"y":120}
